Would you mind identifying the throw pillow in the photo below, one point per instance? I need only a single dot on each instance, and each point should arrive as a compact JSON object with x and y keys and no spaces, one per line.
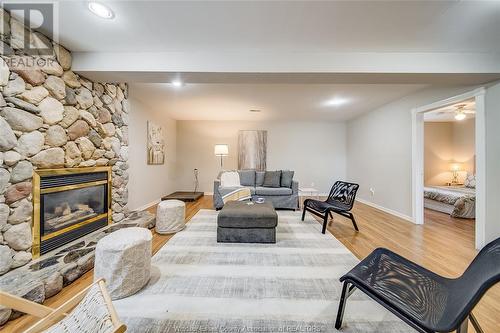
{"x":286,"y":178}
{"x":259,"y":178}
{"x":272,"y":179}
{"x":230,"y":179}
{"x":470,"y":181}
{"x":247,"y":177}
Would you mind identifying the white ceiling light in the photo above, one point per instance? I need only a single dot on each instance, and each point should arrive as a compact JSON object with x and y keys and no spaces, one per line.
{"x":460,"y":115}
{"x":177,"y":83}
{"x":101,"y":10}
{"x":337,"y":101}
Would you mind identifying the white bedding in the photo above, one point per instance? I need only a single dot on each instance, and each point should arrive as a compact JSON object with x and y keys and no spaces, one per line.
{"x":458,"y":201}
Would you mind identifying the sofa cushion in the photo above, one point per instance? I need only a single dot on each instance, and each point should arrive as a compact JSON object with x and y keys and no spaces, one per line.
{"x":286,"y":178}
{"x":272,"y":179}
{"x":247,"y":177}
{"x":260,"y":190}
{"x":259,"y":178}
{"x":225,"y":190}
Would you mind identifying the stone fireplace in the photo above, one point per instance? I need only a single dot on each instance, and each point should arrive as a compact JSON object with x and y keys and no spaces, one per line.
{"x":68,"y":204}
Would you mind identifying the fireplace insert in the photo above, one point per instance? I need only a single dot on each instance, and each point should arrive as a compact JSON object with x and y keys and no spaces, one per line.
{"x":68,"y":204}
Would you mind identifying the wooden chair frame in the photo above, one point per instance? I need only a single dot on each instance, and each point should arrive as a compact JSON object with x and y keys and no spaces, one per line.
{"x":50,"y":316}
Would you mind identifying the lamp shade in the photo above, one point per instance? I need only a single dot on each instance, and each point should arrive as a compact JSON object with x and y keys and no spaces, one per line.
{"x":221,"y":150}
{"x":455,"y":167}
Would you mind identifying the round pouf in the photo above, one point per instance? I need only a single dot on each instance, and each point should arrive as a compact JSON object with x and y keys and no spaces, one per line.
{"x":170,"y":216}
{"x":123,"y":259}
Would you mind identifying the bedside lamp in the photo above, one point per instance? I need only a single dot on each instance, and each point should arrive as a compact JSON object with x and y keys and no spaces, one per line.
{"x":455,"y":168}
{"x":221,"y":150}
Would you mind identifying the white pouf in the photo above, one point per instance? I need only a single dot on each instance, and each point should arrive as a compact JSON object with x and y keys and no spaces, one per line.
{"x":123,"y":259}
{"x":170,"y":216}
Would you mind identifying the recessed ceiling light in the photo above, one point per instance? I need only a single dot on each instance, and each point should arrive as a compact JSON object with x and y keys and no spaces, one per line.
{"x":177,"y":83}
{"x":255,"y":110}
{"x":101,"y":10}
{"x":337,"y":101}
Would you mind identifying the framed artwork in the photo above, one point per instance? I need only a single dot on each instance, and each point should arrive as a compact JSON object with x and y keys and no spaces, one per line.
{"x":156,"y":144}
{"x":252,"y":150}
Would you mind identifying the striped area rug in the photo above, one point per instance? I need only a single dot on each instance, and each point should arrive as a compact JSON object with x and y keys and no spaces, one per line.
{"x":199,"y":285}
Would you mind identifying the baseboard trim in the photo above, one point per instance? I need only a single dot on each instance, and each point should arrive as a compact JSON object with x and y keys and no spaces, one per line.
{"x":387,"y":210}
{"x":146,"y":206}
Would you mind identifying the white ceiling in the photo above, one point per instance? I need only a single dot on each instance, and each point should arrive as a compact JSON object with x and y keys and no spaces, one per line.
{"x":447,"y":113}
{"x":276,"y":101}
{"x":315,"y":26}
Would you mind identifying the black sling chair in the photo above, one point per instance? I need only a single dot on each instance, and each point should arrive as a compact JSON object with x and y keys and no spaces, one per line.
{"x":340,"y":201}
{"x":424,"y":300}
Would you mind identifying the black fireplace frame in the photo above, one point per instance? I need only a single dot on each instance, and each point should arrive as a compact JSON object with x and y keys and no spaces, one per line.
{"x":46,"y":181}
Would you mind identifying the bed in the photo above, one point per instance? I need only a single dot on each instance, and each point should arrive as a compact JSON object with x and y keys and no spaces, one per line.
{"x":458,"y":201}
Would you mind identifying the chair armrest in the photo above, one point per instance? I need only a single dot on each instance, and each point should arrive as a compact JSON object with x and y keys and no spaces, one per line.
{"x":295,"y":187}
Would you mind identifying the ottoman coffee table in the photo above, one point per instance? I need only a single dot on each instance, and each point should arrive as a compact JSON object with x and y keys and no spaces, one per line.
{"x":244,"y":222}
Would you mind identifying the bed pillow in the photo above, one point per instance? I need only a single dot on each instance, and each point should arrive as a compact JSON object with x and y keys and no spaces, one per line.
{"x":286,"y":178}
{"x":230,"y":179}
{"x":272,"y":179}
{"x":470,"y":181}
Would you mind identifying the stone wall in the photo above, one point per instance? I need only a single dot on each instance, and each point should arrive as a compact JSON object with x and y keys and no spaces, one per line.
{"x":50,"y":117}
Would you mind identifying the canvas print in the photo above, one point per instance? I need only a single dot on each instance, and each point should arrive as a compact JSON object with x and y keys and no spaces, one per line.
{"x":156,"y":144}
{"x":252,"y":150}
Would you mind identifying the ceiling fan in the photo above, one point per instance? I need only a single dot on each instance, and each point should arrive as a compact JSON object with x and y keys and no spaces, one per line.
{"x":461,"y":110}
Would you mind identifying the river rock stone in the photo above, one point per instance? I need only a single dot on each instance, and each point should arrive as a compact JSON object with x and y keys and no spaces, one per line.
{"x":34,"y":77}
{"x":125,"y":106}
{"x":55,"y":85}
{"x":78,"y":129}
{"x":71,"y":79}
{"x":88,"y":163}
{"x":4,"y":71}
{"x":124,"y":153}
{"x":22,"y":171}
{"x":53,"y":68}
{"x":95,"y":138}
{"x":30,"y":144}
{"x":4,"y":214}
{"x":84,"y":98}
{"x":23,"y":105}
{"x":7,"y":138}
{"x":119,"y":94}
{"x":107,"y":129}
{"x":21,"y":258}
{"x":72,"y":150}
{"x":2,"y":101}
{"x":5,"y":259}
{"x":98,"y":89}
{"x":18,"y":237}
{"x":101,"y":161}
{"x":21,"y":213}
{"x":50,"y":158}
{"x":98,"y":153}
{"x":55,"y":136}
{"x":17,"y":192}
{"x":88,"y":117}
{"x":4,"y":179}
{"x":14,"y":87}
{"x":103,"y":116}
{"x":70,"y":97}
{"x":11,"y":157}
{"x":117,"y":119}
{"x":112,"y":143}
{"x":35,"y":95}
{"x":70,"y":115}
{"x":53,"y":284}
{"x":111,"y":90}
{"x":63,"y":56}
{"x":97,"y":102}
{"x":86,"y":147}
{"x":106,"y":99}
{"x":21,"y":120}
{"x":52,"y":110}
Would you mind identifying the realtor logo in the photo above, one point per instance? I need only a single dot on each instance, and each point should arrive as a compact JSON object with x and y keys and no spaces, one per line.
{"x":27,"y":20}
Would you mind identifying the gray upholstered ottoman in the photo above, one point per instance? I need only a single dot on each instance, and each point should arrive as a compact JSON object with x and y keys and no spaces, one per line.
{"x":239,"y":222}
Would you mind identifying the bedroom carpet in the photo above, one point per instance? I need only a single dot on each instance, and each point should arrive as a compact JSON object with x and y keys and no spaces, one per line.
{"x":199,"y":285}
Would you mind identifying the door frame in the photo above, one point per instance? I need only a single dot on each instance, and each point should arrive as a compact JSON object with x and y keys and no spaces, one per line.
{"x":480,"y":145}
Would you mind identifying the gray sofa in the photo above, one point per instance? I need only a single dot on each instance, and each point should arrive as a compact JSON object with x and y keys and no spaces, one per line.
{"x":280,"y":197}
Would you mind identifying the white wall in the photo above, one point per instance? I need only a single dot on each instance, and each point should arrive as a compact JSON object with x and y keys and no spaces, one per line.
{"x":492,"y":107}
{"x":379,"y":150}
{"x":149,"y":182}
{"x":314,"y":150}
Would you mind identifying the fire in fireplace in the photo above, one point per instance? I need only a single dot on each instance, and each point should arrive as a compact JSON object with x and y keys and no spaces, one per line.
{"x":68,"y":204}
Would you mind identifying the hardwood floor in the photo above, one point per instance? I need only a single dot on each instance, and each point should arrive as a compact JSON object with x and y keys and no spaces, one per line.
{"x":443,"y":245}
